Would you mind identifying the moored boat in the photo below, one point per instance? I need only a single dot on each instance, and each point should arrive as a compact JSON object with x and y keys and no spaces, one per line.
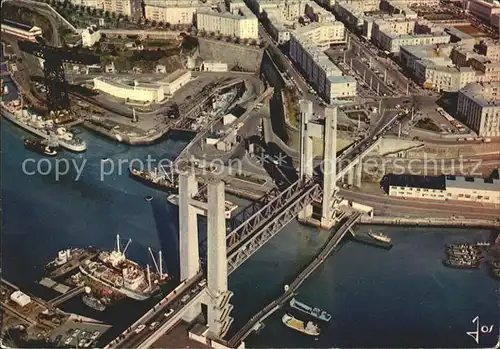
{"x":155,"y":180}
{"x":315,"y":312}
{"x":45,"y":129}
{"x":93,"y":302}
{"x":310,"y":328}
{"x":115,"y":271}
{"x":380,"y":237}
{"x":68,"y":260}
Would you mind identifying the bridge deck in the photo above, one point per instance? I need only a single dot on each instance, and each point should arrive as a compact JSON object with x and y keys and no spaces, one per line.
{"x":274,"y":305}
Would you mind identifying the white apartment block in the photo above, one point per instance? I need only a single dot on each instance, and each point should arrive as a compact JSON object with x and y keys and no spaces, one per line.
{"x":487,"y":70}
{"x":89,"y":3}
{"x":137,"y":92}
{"x":351,"y":14}
{"x":479,"y":107}
{"x":392,"y":43}
{"x":123,"y":7}
{"x":323,"y":34}
{"x":439,"y":74}
{"x":317,"y":13}
{"x":490,"y":49}
{"x":242,"y":23}
{"x":325,"y":77}
{"x":173,"y":11}
{"x":90,"y":36}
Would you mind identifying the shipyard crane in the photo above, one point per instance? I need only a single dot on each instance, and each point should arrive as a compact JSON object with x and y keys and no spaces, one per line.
{"x":53,"y":69}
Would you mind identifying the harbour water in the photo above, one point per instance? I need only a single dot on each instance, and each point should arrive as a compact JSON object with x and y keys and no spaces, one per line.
{"x":377,"y":298}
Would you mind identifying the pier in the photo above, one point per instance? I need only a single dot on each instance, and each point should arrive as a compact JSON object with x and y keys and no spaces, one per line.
{"x":291,"y":291}
{"x":432,"y":222}
{"x":66,"y":296}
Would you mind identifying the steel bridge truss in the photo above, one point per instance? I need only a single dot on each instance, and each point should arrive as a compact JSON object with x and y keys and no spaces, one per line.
{"x":284,"y":215}
{"x":253,"y":218}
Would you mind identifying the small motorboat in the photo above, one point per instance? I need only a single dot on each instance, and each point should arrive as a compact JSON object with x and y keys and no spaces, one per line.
{"x":148,"y":198}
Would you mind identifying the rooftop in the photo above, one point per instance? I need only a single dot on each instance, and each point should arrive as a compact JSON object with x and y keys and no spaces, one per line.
{"x":342,"y":79}
{"x":411,"y":181}
{"x":174,"y":76}
{"x":482,"y":93}
{"x":477,"y":183}
{"x":17,"y":25}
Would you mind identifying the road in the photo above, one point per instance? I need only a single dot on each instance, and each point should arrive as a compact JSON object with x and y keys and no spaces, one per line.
{"x":159,"y":315}
{"x":292,"y":72}
{"x":388,"y":204}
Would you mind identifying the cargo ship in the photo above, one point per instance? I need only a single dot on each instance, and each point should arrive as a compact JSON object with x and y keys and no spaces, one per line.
{"x":314,"y":312}
{"x":201,"y":207}
{"x":68,"y":260}
{"x":39,"y":147}
{"x":310,"y":328}
{"x":155,"y":180}
{"x":114,"y":270}
{"x":45,"y":129}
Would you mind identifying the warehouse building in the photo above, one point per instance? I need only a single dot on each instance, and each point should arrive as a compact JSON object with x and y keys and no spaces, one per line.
{"x":461,"y":188}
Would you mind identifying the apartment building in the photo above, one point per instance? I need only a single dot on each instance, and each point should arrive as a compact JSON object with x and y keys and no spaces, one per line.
{"x":323,"y":34}
{"x":461,"y":188}
{"x":325,"y":77}
{"x":392,"y":43}
{"x":441,"y":75}
{"x":487,"y":70}
{"x":241,"y":23}
{"x":352,"y":14}
{"x":490,"y":49}
{"x":409,"y":55}
{"x":482,"y":9}
{"x":317,"y":13}
{"x":123,"y":7}
{"x":89,"y":3}
{"x":173,"y":11}
{"x":479,"y":106}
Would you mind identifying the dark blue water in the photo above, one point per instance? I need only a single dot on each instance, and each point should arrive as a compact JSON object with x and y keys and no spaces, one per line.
{"x":403,"y":297}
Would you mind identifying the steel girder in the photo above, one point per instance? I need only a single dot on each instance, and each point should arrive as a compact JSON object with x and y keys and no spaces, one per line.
{"x":282,"y":218}
{"x":252,"y":223}
{"x":253,"y":208}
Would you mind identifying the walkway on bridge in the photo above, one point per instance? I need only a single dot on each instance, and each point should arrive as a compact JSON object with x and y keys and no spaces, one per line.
{"x":291,"y":291}
{"x":54,"y":302}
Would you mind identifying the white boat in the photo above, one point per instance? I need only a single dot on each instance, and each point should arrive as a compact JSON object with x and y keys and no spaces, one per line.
{"x":310,"y":328}
{"x":33,"y":123}
{"x":380,"y":237}
{"x":201,"y":207}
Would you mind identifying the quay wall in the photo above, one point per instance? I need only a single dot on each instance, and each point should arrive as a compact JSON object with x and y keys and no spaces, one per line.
{"x":433,"y":222}
{"x":246,"y":57}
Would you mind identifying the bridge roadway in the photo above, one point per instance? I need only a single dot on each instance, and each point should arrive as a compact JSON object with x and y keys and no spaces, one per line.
{"x":276,"y":304}
{"x":128,"y":338}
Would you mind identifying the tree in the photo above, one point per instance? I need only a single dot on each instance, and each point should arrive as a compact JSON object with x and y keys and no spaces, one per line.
{"x":153,"y":23}
{"x":253,"y":42}
{"x":167,"y":25}
{"x":106,"y":14}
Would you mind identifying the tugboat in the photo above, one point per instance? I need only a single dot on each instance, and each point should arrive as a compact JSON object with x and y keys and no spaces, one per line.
{"x":39,"y":147}
{"x":92,"y":302}
{"x":310,"y":328}
{"x":380,"y":237}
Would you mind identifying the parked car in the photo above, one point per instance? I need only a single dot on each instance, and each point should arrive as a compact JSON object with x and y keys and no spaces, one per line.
{"x":169,"y":312}
{"x":154,"y":325}
{"x":68,"y":340}
{"x":140,"y":328}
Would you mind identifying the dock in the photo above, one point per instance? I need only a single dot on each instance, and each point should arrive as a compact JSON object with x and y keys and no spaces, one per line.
{"x":432,"y":222}
{"x":66,"y":296}
{"x":49,"y":283}
{"x":301,"y":278}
